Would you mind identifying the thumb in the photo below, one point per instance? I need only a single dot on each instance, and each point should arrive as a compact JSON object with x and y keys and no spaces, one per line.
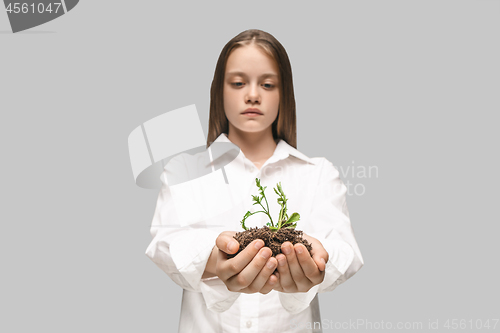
{"x":227,"y":243}
{"x":320,"y":262}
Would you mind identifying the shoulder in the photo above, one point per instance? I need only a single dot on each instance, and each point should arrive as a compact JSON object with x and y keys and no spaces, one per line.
{"x":319,"y":166}
{"x":182,"y":167}
{"x":325,"y":169}
{"x":315,"y":163}
{"x":322,"y":163}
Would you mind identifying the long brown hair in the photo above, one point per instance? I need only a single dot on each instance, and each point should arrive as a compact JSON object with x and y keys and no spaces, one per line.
{"x":285,"y":125}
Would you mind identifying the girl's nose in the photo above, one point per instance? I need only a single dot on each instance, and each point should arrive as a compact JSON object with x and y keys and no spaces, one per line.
{"x":253,"y":95}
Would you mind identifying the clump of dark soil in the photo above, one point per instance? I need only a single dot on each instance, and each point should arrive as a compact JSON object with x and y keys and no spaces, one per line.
{"x":272,"y":240}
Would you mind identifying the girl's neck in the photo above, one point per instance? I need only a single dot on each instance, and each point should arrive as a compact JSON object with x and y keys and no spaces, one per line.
{"x":257,"y":147}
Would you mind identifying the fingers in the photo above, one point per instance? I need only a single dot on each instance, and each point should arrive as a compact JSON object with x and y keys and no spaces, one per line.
{"x":247,"y":272}
{"x":227,"y":268}
{"x":278,"y":286}
{"x":303,"y":283}
{"x":286,"y":280}
{"x":265,"y":281}
{"x":308,"y":265}
{"x":320,"y":261}
{"x":319,"y":254}
{"x":252,"y":271}
{"x":226,"y":243}
{"x":298,"y":276}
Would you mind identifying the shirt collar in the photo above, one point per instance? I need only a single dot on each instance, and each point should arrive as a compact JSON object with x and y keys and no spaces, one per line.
{"x":283,"y":150}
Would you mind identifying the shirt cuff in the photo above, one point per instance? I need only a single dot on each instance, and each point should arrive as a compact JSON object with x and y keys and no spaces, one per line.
{"x":217,"y":297}
{"x":340,"y":257}
{"x":298,"y":302}
{"x":190,"y":252}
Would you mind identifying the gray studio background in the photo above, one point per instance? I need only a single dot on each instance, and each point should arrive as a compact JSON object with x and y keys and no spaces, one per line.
{"x":410,"y":87}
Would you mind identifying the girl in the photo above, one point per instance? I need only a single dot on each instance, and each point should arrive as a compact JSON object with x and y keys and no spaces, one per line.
{"x":253,"y":106}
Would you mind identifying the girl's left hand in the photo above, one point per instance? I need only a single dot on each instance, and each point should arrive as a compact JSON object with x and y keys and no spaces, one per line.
{"x":298,"y":270}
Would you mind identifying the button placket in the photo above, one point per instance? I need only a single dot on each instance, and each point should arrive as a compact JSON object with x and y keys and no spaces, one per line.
{"x":249,"y":320}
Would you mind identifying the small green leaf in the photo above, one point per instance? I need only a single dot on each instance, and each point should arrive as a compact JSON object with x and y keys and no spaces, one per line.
{"x":294,"y":218}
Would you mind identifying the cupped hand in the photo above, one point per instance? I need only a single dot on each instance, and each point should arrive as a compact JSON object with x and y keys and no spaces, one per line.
{"x":298,"y":270}
{"x":250,"y":271}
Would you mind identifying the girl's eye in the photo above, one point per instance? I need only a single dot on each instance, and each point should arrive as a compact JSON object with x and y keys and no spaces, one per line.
{"x":240,"y":84}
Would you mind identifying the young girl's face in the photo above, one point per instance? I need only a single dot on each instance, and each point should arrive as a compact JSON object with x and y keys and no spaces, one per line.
{"x":251,"y":81}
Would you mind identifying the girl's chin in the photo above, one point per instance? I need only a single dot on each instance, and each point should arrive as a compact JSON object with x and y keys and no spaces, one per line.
{"x":255,"y":127}
{"x":251,"y":126}
{"x":251,"y":129}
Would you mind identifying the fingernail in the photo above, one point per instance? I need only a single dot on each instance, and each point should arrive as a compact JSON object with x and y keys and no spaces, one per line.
{"x":281,"y":261}
{"x":287,"y":250}
{"x":324,"y":262}
{"x":270,"y":264}
{"x":258,"y":244}
{"x":231,"y":246}
{"x":299,"y":249}
{"x":265,"y":254}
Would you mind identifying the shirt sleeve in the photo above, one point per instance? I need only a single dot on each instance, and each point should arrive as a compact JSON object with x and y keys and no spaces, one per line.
{"x":329,"y":222}
{"x":183,"y":252}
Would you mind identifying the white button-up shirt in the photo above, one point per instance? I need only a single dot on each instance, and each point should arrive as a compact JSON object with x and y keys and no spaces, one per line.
{"x":182,"y":241}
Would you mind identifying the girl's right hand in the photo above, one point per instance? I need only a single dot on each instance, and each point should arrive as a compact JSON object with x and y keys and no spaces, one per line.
{"x":248,"y":272}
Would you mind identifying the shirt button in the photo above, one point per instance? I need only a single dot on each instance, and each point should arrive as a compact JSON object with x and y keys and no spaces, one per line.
{"x":249,"y":323}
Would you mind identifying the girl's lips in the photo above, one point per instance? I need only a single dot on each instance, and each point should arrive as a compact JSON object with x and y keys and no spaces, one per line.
{"x":252,"y":110}
{"x":252,"y":114}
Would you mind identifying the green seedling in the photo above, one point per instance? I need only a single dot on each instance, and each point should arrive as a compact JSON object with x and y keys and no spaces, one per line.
{"x":283,"y":220}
